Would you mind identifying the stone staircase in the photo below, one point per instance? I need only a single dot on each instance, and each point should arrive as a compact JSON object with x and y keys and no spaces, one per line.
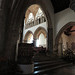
{"x":43,"y":65}
{"x":48,"y":64}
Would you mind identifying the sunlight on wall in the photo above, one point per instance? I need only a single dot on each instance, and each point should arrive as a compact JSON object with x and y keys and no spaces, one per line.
{"x":30,"y":39}
{"x":41,"y":41}
{"x":37,"y":43}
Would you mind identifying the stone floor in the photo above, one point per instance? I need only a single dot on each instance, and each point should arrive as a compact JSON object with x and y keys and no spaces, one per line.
{"x":70,"y":70}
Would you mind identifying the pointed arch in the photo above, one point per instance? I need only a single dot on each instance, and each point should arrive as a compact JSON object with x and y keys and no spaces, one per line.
{"x":31,"y":9}
{"x":30,"y":18}
{"x":61,"y":31}
{"x":16,"y":17}
{"x":39,"y":13}
{"x":27,"y":34}
{"x":38,"y":31}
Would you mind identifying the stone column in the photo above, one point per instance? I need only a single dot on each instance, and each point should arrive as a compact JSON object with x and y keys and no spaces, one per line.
{"x":34,"y":42}
{"x":50,"y":40}
{"x":60,"y":50}
{"x":43,"y":19}
{"x":55,"y":49}
{"x":2,"y":30}
{"x":21,"y":30}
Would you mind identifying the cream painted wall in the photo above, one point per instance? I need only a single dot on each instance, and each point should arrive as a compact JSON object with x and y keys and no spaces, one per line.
{"x":42,"y":40}
{"x":62,"y":18}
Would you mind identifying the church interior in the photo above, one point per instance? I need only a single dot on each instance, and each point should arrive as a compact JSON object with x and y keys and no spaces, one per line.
{"x":37,"y":37}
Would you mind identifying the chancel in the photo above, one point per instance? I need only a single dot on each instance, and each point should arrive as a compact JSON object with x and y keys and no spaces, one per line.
{"x":37,"y":37}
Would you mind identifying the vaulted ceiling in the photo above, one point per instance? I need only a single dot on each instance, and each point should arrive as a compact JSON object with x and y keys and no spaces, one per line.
{"x":58,"y":5}
{"x":32,"y":9}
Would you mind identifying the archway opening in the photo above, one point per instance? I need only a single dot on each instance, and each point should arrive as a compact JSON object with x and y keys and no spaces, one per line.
{"x":66,"y":39}
{"x":35,"y":28}
{"x":28,"y":37}
{"x":41,"y":41}
{"x":40,"y":37}
{"x":35,"y":18}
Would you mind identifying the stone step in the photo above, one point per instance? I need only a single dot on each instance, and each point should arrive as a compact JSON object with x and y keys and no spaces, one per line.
{"x":48,"y":66}
{"x":46,"y":62}
{"x":45,"y":70}
{"x":42,"y":59}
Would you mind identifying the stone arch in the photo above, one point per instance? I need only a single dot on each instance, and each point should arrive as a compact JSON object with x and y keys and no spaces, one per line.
{"x":31,"y":10}
{"x":22,"y":10}
{"x":60,"y":33}
{"x":38,"y":31}
{"x":43,"y":42}
{"x":38,"y":15}
{"x":34,"y":9}
{"x":62,"y":29}
{"x":15,"y":22}
{"x":27,"y":34}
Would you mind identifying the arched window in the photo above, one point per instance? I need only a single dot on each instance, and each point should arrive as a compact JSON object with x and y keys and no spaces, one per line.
{"x":39,"y":16}
{"x":30,"y":18}
{"x":28,"y":38}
